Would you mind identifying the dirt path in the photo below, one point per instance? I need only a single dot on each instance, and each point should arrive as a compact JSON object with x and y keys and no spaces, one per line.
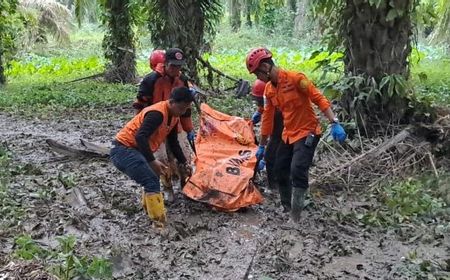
{"x":198,"y":243}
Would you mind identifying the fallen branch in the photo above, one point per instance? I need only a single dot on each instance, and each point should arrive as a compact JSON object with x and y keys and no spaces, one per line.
{"x":217,"y":71}
{"x":249,"y":267}
{"x":359,"y":162}
{"x":73,"y":153}
{"x":88,"y":77}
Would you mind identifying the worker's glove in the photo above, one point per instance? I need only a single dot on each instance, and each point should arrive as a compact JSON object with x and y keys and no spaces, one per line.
{"x":193,"y":91}
{"x":191,"y":135}
{"x":338,"y":133}
{"x":261,"y":165}
{"x":256,"y":118}
{"x":260,"y":152}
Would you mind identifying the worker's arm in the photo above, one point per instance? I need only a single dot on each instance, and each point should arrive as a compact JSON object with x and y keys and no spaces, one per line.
{"x":152,"y":121}
{"x":174,"y":145}
{"x":316,"y":97}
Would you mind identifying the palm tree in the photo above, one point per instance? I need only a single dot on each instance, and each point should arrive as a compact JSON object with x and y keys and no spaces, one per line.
{"x":118,"y":42}
{"x":8,"y":10}
{"x":442,"y":30}
{"x":51,"y":17}
{"x":183,"y":24}
{"x":235,"y":14}
{"x":376,"y":37}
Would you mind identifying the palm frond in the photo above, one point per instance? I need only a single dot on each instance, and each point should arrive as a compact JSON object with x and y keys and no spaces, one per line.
{"x":442,"y":31}
{"x":52,"y":16}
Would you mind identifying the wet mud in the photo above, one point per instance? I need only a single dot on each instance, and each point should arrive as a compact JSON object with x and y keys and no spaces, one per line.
{"x":101,"y":207}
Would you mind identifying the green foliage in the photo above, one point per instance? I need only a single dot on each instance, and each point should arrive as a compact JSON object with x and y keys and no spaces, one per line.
{"x":63,"y":262}
{"x":44,"y":18}
{"x":232,"y":61}
{"x":10,"y":210}
{"x":68,"y":180}
{"x":419,"y":266}
{"x":58,"y":96}
{"x":406,"y":201}
{"x":274,"y":14}
{"x":231,"y":105}
{"x":432,"y":80}
{"x":55,"y":67}
{"x":363,"y":95}
{"x":28,"y":249}
{"x":8,"y":31}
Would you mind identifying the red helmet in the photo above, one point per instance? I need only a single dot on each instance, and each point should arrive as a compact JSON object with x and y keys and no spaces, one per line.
{"x":156,"y":57}
{"x":255,"y":56}
{"x":258,"y":88}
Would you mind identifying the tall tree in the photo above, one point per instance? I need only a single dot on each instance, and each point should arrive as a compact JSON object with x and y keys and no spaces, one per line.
{"x":183,"y":24}
{"x":293,"y":5}
{"x":7,"y":44}
{"x":376,"y":37}
{"x":118,"y":42}
{"x":235,"y":14}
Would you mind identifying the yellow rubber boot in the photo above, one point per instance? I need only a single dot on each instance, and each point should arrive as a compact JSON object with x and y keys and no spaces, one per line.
{"x":156,"y":211}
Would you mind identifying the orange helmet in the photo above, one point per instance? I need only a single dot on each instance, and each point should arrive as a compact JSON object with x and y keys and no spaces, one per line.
{"x":258,"y":88}
{"x":156,"y":57}
{"x":255,"y":56}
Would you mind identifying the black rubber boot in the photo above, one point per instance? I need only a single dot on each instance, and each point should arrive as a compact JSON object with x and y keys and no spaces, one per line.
{"x":285,"y":196}
{"x":298,"y":202}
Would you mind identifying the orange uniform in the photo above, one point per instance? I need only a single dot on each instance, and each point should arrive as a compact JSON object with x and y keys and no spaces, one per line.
{"x":127,"y":135}
{"x":293,"y":96}
{"x":156,"y":87}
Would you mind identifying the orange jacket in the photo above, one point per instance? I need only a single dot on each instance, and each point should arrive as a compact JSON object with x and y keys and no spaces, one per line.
{"x":156,"y":87}
{"x":293,"y":96}
{"x":127,"y":135}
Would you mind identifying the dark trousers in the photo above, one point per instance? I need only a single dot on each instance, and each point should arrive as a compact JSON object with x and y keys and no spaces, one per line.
{"x":293,"y":162}
{"x":272,"y":147}
{"x":131,"y":162}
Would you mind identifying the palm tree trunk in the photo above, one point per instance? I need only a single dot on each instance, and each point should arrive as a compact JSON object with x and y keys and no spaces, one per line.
{"x":301,"y":18}
{"x":235,"y":15}
{"x":183,"y":24}
{"x":377,"y":44}
{"x":248,"y":13}
{"x":118,"y":43}
{"x":2,"y":71}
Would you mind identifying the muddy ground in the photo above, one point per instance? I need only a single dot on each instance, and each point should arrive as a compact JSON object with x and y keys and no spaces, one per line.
{"x":198,"y":243}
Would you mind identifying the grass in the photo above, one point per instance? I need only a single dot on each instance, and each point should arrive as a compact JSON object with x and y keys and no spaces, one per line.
{"x":63,"y":261}
{"x":39,"y":78}
{"x":414,"y":200}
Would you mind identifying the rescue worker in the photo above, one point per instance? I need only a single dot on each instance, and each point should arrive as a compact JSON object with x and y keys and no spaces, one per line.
{"x":275,"y":137}
{"x":156,"y":87}
{"x":293,"y":94}
{"x":156,"y":60}
{"x":136,"y":142}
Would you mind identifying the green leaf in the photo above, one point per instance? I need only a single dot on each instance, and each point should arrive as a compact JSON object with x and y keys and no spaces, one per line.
{"x":423,"y":77}
{"x":392,"y":14}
